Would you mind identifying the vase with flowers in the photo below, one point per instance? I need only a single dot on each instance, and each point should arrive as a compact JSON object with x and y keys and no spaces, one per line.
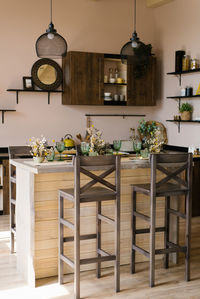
{"x":97,"y":143}
{"x":38,"y":148}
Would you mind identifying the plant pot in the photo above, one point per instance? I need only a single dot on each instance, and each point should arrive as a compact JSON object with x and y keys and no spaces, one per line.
{"x":38,"y":160}
{"x":186,"y":115}
{"x":93,"y":154}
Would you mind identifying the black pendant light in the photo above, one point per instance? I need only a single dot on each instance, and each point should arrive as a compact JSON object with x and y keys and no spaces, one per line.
{"x":51,"y":44}
{"x":136,"y":52}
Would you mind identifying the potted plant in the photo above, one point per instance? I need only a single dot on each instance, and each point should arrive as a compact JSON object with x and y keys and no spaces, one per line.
{"x":186,"y":111}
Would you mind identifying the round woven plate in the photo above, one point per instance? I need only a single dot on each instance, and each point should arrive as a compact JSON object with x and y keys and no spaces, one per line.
{"x":36,"y":80}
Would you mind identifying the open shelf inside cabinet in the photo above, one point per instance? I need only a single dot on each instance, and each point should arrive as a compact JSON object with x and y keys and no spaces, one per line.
{"x":113,"y":62}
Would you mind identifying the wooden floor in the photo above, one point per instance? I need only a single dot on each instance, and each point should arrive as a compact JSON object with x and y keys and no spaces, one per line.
{"x":170,"y":283}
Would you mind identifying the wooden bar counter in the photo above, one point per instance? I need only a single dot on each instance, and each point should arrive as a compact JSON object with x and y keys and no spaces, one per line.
{"x":37,"y":216}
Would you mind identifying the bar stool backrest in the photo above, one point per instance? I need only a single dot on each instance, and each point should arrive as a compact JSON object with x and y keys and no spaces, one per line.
{"x":172,"y":165}
{"x":17,"y":152}
{"x":85,"y":165}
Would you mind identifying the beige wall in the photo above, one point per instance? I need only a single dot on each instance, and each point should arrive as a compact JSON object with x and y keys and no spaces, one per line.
{"x":87,"y":25}
{"x":99,"y":26}
{"x":177,"y":27}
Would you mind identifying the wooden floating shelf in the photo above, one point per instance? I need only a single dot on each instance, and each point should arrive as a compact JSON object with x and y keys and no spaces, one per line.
{"x":184,"y":72}
{"x":3,"y":112}
{"x":182,"y":121}
{"x":33,"y":90}
{"x":184,"y":97}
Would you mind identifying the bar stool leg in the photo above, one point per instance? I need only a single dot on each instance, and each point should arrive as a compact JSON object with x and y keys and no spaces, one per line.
{"x":117,"y":244}
{"x":152,"y":240}
{"x":77,"y":248}
{"x":60,"y":234}
{"x":188,"y":237}
{"x":166,"y":233}
{"x":98,"y":242}
{"x":133,"y":229}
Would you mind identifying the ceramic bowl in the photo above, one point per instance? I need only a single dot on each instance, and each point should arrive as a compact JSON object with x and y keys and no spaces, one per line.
{"x":107,"y":94}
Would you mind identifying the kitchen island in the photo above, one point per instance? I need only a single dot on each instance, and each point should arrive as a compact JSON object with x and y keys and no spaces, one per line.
{"x":37,"y":216}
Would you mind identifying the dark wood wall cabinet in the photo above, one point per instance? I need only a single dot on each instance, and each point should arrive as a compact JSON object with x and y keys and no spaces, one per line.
{"x":86,"y":79}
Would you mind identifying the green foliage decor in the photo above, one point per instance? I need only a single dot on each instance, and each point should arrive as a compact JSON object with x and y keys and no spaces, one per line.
{"x":186,"y":107}
{"x":147,"y":129}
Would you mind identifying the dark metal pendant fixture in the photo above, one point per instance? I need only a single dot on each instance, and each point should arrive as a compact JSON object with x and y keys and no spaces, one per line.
{"x":135,"y":52}
{"x":51,"y":44}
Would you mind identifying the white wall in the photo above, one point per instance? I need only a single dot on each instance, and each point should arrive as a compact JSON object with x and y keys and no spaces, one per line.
{"x":88,"y":25}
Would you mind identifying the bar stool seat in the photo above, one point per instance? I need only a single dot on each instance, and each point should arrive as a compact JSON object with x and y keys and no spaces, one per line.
{"x":97,"y":193}
{"x":84,"y":194}
{"x":171,"y":165}
{"x":163,"y":190}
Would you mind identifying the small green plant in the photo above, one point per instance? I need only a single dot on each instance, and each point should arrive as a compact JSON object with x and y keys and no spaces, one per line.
{"x":186,"y":107}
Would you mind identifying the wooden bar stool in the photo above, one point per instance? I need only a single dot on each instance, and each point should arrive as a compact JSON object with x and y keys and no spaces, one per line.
{"x":15,"y":152}
{"x":88,"y":193}
{"x":171,"y":165}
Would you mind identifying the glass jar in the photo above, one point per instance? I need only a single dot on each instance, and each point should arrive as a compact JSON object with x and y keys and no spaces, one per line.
{"x":186,"y":63}
{"x":194,"y":64}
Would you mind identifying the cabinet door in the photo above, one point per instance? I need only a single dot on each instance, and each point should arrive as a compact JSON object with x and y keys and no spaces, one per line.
{"x":141,"y":91}
{"x":83,"y":79}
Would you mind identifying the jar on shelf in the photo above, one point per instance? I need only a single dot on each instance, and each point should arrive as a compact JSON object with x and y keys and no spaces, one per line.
{"x":194,"y":64}
{"x":186,"y":63}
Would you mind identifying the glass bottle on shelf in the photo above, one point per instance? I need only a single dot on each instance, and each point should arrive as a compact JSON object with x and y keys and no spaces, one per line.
{"x":111,"y":76}
{"x":116,"y":74}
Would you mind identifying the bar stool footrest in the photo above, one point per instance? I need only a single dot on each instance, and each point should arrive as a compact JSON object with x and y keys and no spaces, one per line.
{"x":141,"y":250}
{"x":142,"y":216}
{"x":98,"y":259}
{"x":179,"y":248}
{"x":177,"y":213}
{"x":147,"y":230}
{"x":83,"y":237}
{"x":67,"y":223}
{"x":67,"y":260}
{"x":106,"y":219}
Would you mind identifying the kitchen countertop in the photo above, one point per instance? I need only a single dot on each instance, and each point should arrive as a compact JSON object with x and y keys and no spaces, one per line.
{"x":66,"y":166}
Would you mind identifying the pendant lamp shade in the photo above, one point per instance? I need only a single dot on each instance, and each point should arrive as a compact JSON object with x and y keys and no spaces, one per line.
{"x":51,"y":44}
{"x":135,"y":52}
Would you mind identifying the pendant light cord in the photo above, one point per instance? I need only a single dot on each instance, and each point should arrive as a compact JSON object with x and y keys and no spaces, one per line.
{"x":134,"y":15}
{"x":51,"y":10}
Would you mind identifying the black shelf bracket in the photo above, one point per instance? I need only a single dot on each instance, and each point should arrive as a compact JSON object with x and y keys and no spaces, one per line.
{"x":32,"y":90}
{"x":3,"y":112}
